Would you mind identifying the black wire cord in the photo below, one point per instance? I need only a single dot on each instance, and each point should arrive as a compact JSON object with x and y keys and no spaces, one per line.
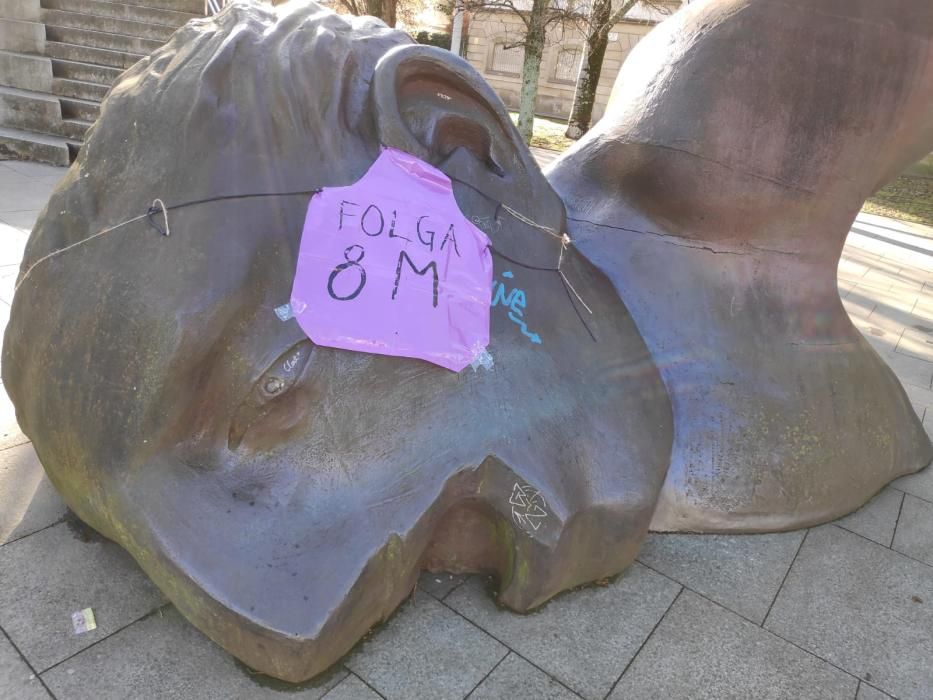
{"x":159,"y":208}
{"x":163,"y":209}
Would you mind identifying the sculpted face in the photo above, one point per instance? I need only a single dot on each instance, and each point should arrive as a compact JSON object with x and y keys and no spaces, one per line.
{"x":285,"y":495}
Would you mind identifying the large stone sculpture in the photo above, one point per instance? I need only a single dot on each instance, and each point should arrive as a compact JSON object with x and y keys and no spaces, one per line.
{"x":717,"y":192}
{"x":285,"y":495}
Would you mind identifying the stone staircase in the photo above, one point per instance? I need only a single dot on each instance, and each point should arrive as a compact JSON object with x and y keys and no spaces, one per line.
{"x":58,"y":59}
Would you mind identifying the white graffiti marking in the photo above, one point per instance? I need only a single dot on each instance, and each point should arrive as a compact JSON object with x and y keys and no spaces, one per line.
{"x":529,"y":508}
{"x":292,"y":362}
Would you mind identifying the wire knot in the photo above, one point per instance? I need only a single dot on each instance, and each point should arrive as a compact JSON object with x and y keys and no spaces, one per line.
{"x":160,"y":209}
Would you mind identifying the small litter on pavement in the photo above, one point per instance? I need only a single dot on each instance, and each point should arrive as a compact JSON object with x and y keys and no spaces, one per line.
{"x":83,"y":621}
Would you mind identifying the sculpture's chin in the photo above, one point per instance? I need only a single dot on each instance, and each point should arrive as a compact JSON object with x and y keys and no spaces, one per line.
{"x":289,"y":584}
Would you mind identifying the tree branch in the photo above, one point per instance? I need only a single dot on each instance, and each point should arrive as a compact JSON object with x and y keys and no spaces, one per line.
{"x":623,"y":10}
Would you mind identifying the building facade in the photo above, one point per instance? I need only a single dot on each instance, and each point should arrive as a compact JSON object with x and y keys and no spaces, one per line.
{"x":490,"y":49}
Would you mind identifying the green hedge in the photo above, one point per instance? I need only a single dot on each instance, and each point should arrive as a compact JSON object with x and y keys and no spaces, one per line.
{"x":433,"y":39}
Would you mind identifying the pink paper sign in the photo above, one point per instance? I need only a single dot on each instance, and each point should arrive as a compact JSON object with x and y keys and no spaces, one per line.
{"x":390,"y":265}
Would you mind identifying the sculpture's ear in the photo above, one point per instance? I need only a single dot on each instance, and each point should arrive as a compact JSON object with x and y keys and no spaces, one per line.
{"x":433,"y":104}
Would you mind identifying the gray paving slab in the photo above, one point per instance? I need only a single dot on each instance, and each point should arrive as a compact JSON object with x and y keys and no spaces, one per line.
{"x":8,"y":275}
{"x":23,"y":221}
{"x":10,"y":175}
{"x":919,"y":484}
{"x":858,"y":303}
{"x":12,"y":244}
{"x":866,"y":692}
{"x":916,"y":342}
{"x":921,"y":399}
{"x":47,"y":576}
{"x":439,"y":585}
{"x":864,"y":608}
{"x":34,"y":170}
{"x":742,"y":572}
{"x":851,"y":267}
{"x":426,"y":651}
{"x":583,"y":638}
{"x":517,"y":679}
{"x":877,"y":518}
{"x":20,"y":196}
{"x":914,"y":535}
{"x":10,"y":433}
{"x":163,"y":656}
{"x":352,"y":688}
{"x":881,"y":340}
{"x":28,"y":501}
{"x":701,"y":651}
{"x":910,"y":370}
{"x":17,"y":681}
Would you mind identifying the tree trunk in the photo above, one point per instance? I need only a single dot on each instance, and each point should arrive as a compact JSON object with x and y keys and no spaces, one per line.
{"x":389,"y":8}
{"x":601,"y":22}
{"x":383,"y":9}
{"x":531,"y":68}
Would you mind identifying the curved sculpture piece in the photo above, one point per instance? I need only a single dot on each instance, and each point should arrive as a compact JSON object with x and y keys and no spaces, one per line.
{"x":286,"y":516}
{"x":741,"y":139}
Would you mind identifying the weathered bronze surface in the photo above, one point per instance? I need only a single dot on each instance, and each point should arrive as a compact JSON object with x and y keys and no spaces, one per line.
{"x":285,"y":519}
{"x":717,"y":192}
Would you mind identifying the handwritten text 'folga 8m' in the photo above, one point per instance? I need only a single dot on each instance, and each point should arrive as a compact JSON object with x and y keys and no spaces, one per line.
{"x":391,"y":266}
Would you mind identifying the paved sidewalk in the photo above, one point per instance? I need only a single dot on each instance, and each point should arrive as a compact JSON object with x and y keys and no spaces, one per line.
{"x":838,"y":611}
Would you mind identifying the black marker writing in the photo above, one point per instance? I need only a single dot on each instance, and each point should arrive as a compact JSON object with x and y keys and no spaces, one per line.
{"x":398,"y":273}
{"x":449,"y":236}
{"x":430,"y":242}
{"x":392,"y":233}
{"x":343,"y":214}
{"x":356,"y":263}
{"x":382,"y":222}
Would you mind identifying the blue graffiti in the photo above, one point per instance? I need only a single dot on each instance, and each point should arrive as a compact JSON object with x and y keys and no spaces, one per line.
{"x":514,"y":300}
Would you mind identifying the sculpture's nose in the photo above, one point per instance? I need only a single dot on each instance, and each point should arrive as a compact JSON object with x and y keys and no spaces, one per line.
{"x":491,"y":520}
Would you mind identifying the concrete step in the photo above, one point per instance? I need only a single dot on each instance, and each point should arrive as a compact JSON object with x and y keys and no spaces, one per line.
{"x":22,"y":35}
{"x":28,"y":109}
{"x":75,"y":129}
{"x":26,"y":145}
{"x":25,"y":70}
{"x":108,"y":25}
{"x":88,"y":72}
{"x":74,"y":108}
{"x":193,"y":6}
{"x":101,"y":40}
{"x":63,"y":87}
{"x":108,"y":58}
{"x":20,"y":9}
{"x":117,"y":10}
{"x":37,"y":112}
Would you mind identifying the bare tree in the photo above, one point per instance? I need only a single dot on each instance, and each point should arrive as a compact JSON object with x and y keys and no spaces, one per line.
{"x":386,"y":10}
{"x":537,"y":17}
{"x":600,"y":21}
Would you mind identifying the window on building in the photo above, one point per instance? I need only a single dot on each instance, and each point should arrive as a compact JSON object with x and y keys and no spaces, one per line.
{"x":568,"y":65}
{"x":507,"y":60}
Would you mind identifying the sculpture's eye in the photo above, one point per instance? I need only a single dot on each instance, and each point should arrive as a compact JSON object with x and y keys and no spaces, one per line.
{"x":267,"y":397}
